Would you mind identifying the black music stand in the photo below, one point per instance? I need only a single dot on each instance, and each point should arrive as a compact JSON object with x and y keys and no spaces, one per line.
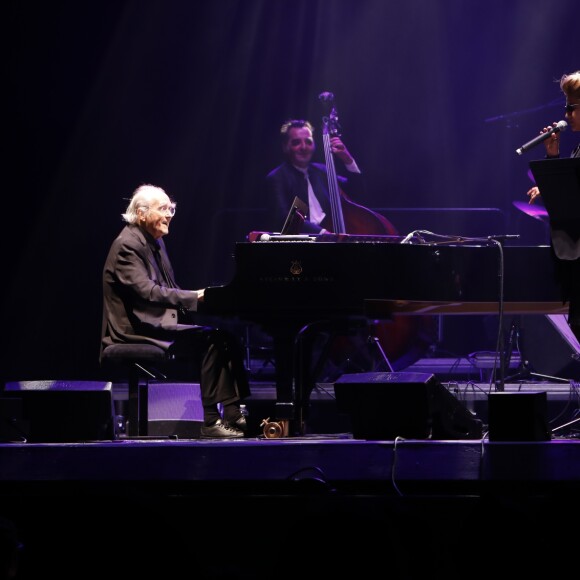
{"x":295,"y":218}
{"x":559,"y":184}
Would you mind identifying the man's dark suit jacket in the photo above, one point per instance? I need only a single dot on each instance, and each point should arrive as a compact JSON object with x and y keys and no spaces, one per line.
{"x":137,"y":305}
{"x":286,"y":182}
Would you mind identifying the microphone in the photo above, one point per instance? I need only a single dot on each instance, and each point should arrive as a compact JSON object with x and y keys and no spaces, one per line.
{"x":560,"y":126}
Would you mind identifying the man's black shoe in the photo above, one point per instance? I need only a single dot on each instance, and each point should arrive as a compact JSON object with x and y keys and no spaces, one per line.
{"x":240,"y":424}
{"x":220,"y":430}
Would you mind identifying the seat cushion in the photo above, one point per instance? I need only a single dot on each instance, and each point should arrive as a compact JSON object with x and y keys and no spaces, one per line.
{"x":126,"y":353}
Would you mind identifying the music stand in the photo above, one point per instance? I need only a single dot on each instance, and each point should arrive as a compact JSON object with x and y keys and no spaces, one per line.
{"x":295,"y":218}
{"x":559,"y":184}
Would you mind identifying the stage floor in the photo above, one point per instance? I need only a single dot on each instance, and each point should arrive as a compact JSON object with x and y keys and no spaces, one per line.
{"x":299,"y":507}
{"x":315,"y":506}
{"x":337,"y":462}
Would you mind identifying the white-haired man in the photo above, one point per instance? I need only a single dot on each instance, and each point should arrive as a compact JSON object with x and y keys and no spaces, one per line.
{"x":143,"y":304}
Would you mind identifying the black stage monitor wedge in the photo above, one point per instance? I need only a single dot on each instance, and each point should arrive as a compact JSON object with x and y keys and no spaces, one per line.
{"x":403,"y":404}
{"x":559,"y":184}
{"x":61,"y":411}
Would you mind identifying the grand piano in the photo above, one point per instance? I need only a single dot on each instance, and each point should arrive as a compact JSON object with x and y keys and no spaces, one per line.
{"x":295,"y":286}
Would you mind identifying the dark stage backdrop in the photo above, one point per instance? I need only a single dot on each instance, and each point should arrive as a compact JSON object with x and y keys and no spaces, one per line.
{"x":433,"y":96}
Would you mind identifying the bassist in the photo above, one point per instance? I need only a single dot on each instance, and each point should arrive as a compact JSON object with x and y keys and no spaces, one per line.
{"x":299,"y":176}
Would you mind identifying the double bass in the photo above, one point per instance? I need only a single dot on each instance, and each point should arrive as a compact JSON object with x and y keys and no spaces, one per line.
{"x":347,"y":217}
{"x":403,"y":340}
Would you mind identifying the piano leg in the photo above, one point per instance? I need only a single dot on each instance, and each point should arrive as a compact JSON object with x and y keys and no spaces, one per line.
{"x":293,"y":354}
{"x":304,"y":383}
{"x":284,"y":362}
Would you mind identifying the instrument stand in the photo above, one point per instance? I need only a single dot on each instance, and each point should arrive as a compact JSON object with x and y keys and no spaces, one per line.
{"x":569,"y":424}
{"x":524,"y":371}
{"x":372,"y":343}
{"x":373,"y":339}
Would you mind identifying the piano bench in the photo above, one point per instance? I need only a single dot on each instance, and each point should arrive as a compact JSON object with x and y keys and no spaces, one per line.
{"x":139,"y":363}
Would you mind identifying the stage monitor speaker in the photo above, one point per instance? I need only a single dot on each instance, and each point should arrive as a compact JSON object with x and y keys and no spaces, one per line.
{"x":519,"y":416}
{"x":59,"y":411}
{"x":174,"y":409}
{"x":410,"y":405}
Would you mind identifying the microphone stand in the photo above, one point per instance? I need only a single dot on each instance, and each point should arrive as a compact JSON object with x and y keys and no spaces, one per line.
{"x":498,"y":241}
